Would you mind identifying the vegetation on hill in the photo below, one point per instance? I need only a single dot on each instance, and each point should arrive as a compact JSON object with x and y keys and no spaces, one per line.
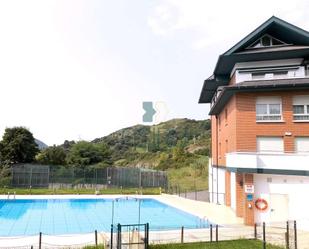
{"x":172,"y":144}
{"x":179,"y":146}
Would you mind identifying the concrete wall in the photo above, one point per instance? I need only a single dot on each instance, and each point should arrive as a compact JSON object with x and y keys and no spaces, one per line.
{"x":295,"y":187}
{"x":217,"y":188}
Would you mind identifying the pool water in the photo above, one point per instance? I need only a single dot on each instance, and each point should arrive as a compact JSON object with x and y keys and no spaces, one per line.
{"x":73,"y":216}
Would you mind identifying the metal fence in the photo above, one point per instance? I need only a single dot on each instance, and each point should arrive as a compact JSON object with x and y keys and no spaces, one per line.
{"x":284,"y":234}
{"x":197,"y":195}
{"x":36,"y":176}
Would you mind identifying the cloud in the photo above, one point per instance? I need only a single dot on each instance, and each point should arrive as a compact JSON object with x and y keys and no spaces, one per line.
{"x":221,"y":21}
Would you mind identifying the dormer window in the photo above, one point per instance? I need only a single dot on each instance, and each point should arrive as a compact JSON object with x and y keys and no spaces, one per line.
{"x":267,"y":41}
{"x":263,"y":75}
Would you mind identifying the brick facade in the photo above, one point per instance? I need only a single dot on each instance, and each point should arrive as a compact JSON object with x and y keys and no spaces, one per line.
{"x":248,"y":205}
{"x":227,"y":188}
{"x":247,"y":129}
{"x":236,"y":129}
{"x":239,"y":195}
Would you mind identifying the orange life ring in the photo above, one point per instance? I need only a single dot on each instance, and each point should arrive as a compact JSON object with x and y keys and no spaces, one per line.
{"x":261,"y":204}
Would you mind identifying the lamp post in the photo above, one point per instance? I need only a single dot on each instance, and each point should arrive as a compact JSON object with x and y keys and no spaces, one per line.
{"x":139,"y":208}
{"x":139,"y":211}
{"x":113,"y":206}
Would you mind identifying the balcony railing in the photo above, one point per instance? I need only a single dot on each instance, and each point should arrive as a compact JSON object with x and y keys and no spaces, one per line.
{"x":272,"y":160}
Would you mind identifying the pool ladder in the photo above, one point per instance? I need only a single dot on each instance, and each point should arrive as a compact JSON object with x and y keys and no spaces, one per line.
{"x":203,"y":222}
{"x":14,"y":196}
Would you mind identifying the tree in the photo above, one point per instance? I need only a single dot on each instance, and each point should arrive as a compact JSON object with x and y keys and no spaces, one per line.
{"x":54,"y":155}
{"x":85,"y":153}
{"x":18,"y":146}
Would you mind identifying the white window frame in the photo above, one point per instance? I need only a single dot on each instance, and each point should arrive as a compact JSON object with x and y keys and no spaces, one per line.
{"x":271,"y":75}
{"x":268,"y":117}
{"x":302,"y":100}
{"x":296,"y":147}
{"x":266,"y":151}
{"x":259,"y":41}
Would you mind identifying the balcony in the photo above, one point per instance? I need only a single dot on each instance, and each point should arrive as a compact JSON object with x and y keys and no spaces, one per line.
{"x":268,"y":161}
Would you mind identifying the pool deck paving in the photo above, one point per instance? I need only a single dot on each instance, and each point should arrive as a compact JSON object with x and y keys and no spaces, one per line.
{"x":230,"y":226}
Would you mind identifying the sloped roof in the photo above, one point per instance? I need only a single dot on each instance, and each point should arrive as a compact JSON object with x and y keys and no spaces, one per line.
{"x":297,"y":41}
{"x":276,"y":27}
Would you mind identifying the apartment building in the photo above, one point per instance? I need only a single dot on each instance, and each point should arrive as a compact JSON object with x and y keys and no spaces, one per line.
{"x":259,"y":108}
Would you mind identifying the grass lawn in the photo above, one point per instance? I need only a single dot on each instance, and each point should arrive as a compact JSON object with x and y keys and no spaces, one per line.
{"x":187,"y":178}
{"x":234,"y":244}
{"x":111,"y":191}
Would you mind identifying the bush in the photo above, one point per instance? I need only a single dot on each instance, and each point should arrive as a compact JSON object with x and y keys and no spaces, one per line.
{"x":5,"y":181}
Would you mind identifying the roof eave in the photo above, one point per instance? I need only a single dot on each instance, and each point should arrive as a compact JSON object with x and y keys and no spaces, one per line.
{"x":227,"y":93}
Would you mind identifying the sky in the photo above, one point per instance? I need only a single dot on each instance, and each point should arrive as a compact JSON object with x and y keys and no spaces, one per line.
{"x":81,"y":69}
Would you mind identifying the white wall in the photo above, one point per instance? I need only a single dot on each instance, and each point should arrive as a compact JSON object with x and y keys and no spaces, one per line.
{"x":295,"y":187}
{"x":220,"y":197}
{"x":292,"y":73}
{"x":276,"y":160}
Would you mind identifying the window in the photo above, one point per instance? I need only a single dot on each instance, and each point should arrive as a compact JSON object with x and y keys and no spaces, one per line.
{"x":258,"y":76}
{"x":307,"y":70}
{"x":268,"y":109}
{"x":301,"y":108}
{"x":266,"y":41}
{"x":280,"y":74}
{"x":302,"y":144}
{"x":269,"y":75}
{"x":269,"y":144}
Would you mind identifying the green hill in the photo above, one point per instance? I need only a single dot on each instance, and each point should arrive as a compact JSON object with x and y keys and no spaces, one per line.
{"x":179,"y":146}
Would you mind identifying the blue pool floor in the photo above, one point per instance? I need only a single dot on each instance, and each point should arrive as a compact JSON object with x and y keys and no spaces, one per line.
{"x":75,"y":216}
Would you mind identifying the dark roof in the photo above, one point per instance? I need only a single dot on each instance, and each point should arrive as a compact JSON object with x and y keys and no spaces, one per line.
{"x":298,"y":47}
{"x":273,"y":49}
{"x":210,"y":87}
{"x":258,"y":85}
{"x":276,"y":27}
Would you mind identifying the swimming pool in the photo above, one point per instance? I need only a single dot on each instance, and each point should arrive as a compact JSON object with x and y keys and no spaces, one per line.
{"x":74,"y":216}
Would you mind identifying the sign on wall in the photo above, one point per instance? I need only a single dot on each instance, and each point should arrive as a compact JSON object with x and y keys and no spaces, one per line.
{"x":249,"y":188}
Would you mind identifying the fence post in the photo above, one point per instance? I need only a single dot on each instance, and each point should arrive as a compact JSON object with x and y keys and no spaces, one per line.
{"x":217,"y":233}
{"x":210,"y":232}
{"x":181,"y":235}
{"x":112,"y":233}
{"x":287,"y":237}
{"x":147,"y":236}
{"x":40,"y":240}
{"x":255,"y":230}
{"x":295,"y":234}
{"x":264,"y":236}
{"x":118,"y":236}
{"x":96,"y":237}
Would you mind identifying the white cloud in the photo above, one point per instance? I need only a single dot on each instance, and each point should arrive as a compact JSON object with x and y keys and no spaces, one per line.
{"x":222,"y":21}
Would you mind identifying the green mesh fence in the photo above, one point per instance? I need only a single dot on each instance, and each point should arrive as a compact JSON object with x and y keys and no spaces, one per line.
{"x":30,"y":175}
